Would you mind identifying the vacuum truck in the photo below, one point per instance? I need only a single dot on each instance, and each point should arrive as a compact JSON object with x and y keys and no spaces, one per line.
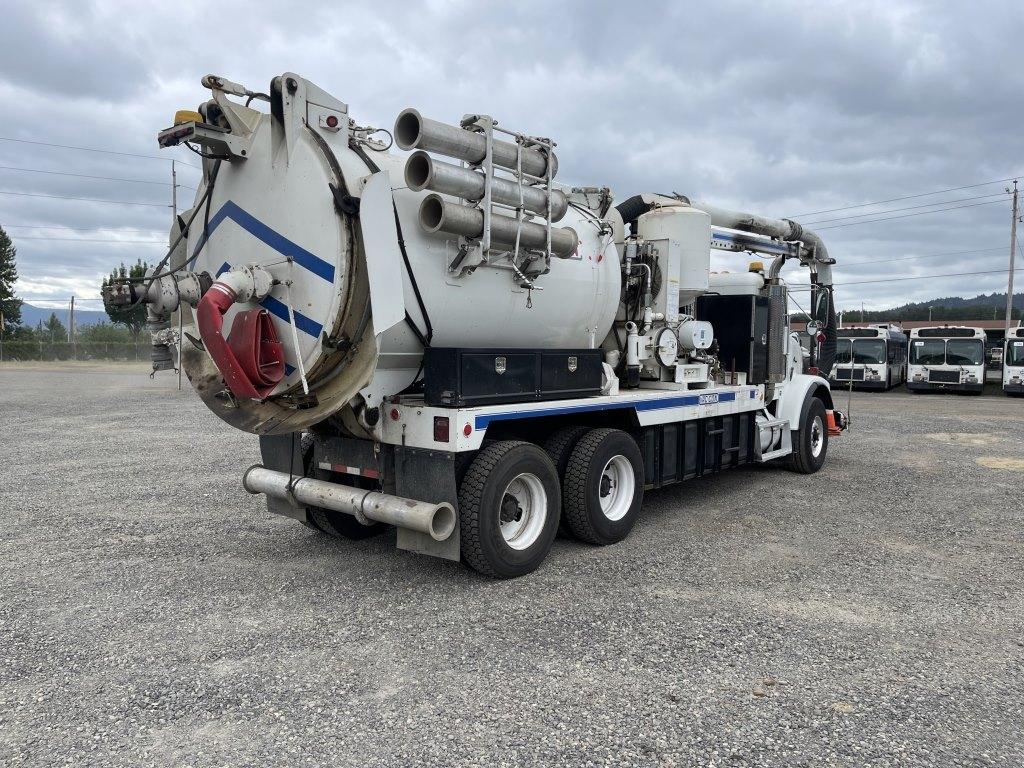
{"x":452,"y":343}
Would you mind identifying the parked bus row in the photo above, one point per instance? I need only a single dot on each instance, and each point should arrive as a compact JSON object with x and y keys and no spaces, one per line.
{"x":947,"y":358}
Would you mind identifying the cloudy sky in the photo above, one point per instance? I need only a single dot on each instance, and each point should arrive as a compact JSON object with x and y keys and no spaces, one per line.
{"x":785,"y":109}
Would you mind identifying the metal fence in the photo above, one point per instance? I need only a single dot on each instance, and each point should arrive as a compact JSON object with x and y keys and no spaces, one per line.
{"x":22,"y":351}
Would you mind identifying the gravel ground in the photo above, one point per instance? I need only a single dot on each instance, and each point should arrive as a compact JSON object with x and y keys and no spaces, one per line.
{"x":152,"y":613}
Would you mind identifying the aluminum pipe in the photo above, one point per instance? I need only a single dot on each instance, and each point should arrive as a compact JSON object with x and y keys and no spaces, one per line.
{"x":413,"y":131}
{"x":436,"y":520}
{"x":424,"y":172}
{"x":440,"y":215}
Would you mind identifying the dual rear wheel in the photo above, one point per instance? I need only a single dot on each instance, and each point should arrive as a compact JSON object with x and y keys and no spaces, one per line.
{"x":515,"y":494}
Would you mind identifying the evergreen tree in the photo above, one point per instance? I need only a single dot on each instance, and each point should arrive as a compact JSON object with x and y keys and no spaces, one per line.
{"x":132,"y":318}
{"x":53,"y":330}
{"x":10,"y":306}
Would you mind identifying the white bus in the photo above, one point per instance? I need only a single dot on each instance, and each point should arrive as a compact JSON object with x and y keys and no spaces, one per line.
{"x":1013,"y":361}
{"x":870,"y":358}
{"x":947,"y":358}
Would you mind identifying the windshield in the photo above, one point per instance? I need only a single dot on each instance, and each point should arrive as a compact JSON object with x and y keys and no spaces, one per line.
{"x":843,"y":351}
{"x":1015,"y":353}
{"x":927,"y":352}
{"x":869,"y":351}
{"x":965,"y":352}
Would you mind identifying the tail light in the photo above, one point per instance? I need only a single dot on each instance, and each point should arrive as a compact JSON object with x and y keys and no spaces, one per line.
{"x":440,"y":429}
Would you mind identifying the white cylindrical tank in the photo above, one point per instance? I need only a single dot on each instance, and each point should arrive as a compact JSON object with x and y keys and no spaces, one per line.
{"x":695,"y":335}
{"x":733,"y":283}
{"x":687,"y":233}
{"x":275,"y":208}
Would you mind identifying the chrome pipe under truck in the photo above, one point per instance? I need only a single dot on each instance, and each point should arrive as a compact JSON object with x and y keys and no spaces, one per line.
{"x":455,"y":344}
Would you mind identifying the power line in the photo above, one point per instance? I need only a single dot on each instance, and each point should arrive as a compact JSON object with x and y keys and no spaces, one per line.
{"x":905,"y":197}
{"x":80,"y":229}
{"x":920,"y":256}
{"x":906,"y":215}
{"x":88,"y":240}
{"x":86,"y":199}
{"x":908,"y":208}
{"x":104,"y":151}
{"x":927,"y":277}
{"x":58,"y":298}
{"x":86,"y":176}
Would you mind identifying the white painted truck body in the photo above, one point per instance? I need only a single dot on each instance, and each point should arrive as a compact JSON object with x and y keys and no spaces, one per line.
{"x":341,"y":273}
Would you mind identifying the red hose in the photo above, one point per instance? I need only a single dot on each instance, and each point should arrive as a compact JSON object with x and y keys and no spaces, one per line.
{"x":251,"y":358}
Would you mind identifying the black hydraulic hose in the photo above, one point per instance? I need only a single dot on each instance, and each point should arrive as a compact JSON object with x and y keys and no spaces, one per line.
{"x":182,"y":233}
{"x":825,"y":313}
{"x":424,"y":338}
{"x":632,"y":208}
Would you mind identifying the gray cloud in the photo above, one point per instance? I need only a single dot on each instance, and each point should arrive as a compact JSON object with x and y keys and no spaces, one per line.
{"x":783,"y":109}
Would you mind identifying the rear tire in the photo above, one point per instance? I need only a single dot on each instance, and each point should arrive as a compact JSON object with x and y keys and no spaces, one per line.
{"x":342,"y":526}
{"x":604,"y":487}
{"x":508,"y":509}
{"x":811,"y":441}
{"x":335,"y":524}
{"x":559,"y":447}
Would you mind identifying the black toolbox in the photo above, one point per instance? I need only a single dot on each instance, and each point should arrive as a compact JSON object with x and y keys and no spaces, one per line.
{"x":741,"y":330}
{"x":459,"y":377}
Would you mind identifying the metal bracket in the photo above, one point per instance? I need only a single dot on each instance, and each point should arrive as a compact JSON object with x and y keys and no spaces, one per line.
{"x":476,"y":251}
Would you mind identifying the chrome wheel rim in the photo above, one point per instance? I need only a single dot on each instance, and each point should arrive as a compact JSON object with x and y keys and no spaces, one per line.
{"x":617,"y":487}
{"x":523,"y":511}
{"x":817,"y":437}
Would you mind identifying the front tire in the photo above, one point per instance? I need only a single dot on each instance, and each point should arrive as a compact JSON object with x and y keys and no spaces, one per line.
{"x":604,"y":487}
{"x":811,"y":440}
{"x":508,"y":509}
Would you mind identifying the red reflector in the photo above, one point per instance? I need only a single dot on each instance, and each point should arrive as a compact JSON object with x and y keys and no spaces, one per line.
{"x":467,"y":430}
{"x":440,"y":429}
{"x":332,"y":121}
{"x":813,"y":371}
{"x":395,"y":414}
{"x":821,"y":337}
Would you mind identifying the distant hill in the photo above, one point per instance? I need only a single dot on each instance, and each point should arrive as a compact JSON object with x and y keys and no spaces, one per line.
{"x":31,"y":315}
{"x":988,"y":306}
{"x":984,"y":300}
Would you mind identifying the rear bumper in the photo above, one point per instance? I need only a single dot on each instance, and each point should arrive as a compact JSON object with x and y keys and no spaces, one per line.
{"x":1013,"y":389}
{"x":934,"y":386}
{"x":841,"y":384}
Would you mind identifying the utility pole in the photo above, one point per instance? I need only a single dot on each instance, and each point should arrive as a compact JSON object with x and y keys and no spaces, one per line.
{"x":174,"y":210}
{"x":1013,"y":251}
{"x":71,"y":329}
